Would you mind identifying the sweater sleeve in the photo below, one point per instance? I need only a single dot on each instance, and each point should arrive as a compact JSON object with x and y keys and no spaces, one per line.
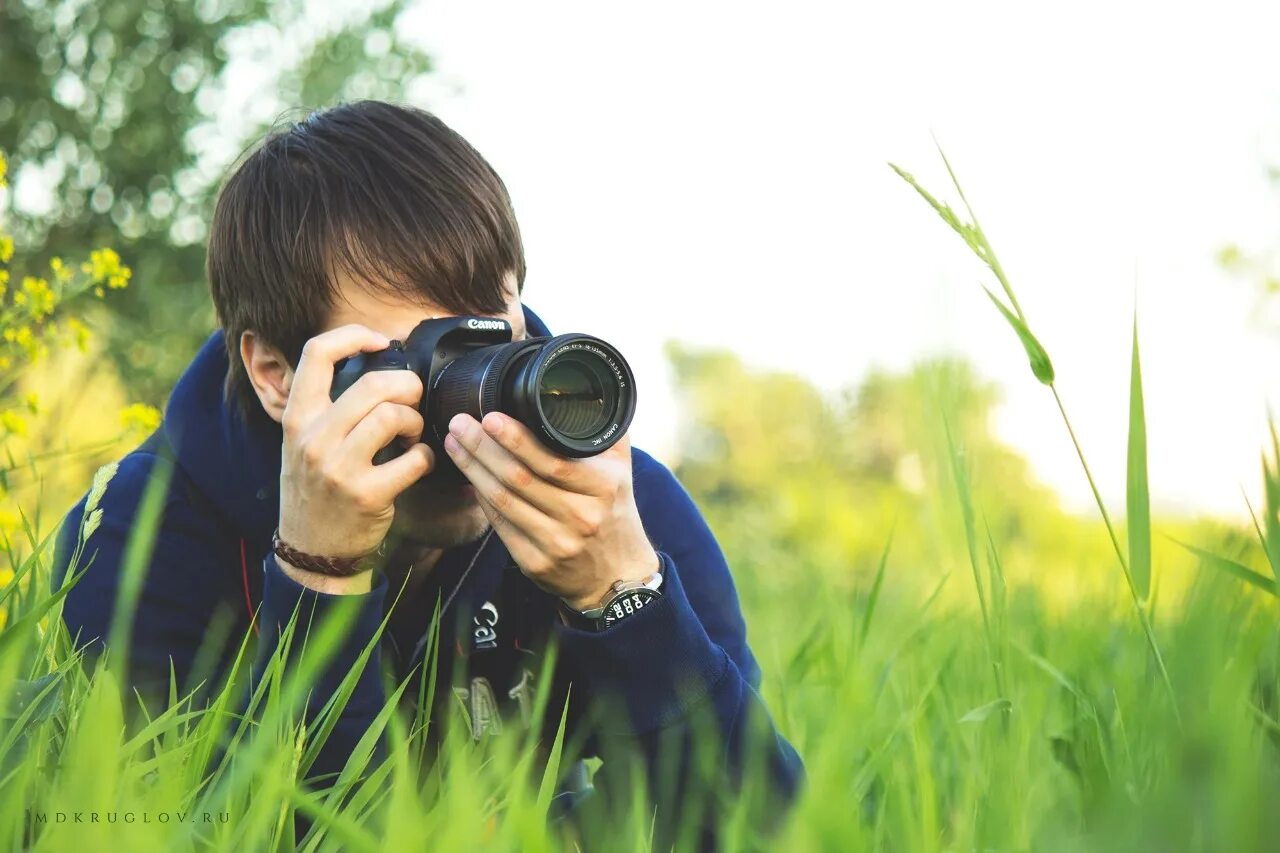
{"x":676,"y":685}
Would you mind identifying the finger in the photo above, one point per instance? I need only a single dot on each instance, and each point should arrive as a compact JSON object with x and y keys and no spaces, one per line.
{"x":530,"y":520}
{"x":403,"y":387}
{"x":622,"y":447}
{"x":510,"y":471}
{"x":309,"y":393}
{"x":386,"y":481}
{"x":526,"y":554}
{"x":384,"y":422}
{"x":575,"y":475}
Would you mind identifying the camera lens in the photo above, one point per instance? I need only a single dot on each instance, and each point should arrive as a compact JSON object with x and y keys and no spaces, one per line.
{"x":577,"y":395}
{"x":575,"y":392}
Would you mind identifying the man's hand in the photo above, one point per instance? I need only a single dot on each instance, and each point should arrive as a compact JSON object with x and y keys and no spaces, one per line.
{"x":570,"y":524}
{"x":334,"y":501}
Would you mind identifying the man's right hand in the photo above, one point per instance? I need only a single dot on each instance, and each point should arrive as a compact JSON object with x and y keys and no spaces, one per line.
{"x":334,"y":501}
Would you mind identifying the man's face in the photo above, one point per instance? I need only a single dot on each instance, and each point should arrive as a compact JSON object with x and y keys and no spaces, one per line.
{"x":434,"y":516}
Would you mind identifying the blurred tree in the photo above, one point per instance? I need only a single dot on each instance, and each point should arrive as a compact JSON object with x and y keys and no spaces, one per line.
{"x":788,"y":476}
{"x":120,"y":119}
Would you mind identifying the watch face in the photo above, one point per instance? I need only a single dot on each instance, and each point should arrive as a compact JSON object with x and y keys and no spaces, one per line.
{"x":623,"y":606}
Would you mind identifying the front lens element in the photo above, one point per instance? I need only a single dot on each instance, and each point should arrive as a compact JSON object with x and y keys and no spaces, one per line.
{"x":578,"y":394}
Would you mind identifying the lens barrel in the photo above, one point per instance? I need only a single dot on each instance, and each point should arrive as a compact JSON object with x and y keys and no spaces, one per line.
{"x":575,"y":392}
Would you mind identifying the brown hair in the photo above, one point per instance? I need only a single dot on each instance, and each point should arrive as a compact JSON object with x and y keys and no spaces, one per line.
{"x":387,"y":193}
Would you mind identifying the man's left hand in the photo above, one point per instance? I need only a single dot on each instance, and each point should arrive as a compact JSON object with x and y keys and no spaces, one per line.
{"x":570,"y":524}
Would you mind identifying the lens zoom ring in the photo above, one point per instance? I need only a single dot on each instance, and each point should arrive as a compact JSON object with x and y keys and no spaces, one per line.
{"x":449,"y":396}
{"x":460,"y":387}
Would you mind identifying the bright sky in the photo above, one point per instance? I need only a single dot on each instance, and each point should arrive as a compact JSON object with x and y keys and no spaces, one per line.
{"x":715,"y":172}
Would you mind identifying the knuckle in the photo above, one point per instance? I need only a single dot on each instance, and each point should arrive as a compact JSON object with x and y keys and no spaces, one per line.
{"x":289,"y":423}
{"x":412,"y":418}
{"x":588,"y":522}
{"x":538,"y":566}
{"x":565,"y":548}
{"x":408,"y":379}
{"x":385,"y":416}
{"x":425,"y":460}
{"x":364,"y":503}
{"x":331,"y":477}
{"x":314,"y":348}
{"x":560,"y":468}
{"x":520,"y":477}
{"x":500,"y":498}
{"x":313,"y":455}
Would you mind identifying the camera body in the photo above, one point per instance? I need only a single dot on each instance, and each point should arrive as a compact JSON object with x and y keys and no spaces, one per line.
{"x":574,"y":391}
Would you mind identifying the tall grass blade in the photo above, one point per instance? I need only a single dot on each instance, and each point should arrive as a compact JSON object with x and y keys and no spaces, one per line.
{"x":874,"y":597}
{"x":1231,"y":567}
{"x":1137,"y":492}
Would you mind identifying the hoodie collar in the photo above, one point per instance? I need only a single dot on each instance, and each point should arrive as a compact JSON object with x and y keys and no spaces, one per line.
{"x":234,"y":461}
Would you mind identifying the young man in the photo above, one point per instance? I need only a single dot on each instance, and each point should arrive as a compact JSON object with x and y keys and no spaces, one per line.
{"x":335,"y":237}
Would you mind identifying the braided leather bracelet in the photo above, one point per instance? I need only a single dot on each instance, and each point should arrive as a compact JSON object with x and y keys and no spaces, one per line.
{"x":338,"y":567}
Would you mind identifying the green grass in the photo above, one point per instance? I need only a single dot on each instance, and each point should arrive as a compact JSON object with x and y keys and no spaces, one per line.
{"x":935,"y":709}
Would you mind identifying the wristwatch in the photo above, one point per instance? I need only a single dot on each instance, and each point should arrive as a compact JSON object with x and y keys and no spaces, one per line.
{"x":624,"y":599}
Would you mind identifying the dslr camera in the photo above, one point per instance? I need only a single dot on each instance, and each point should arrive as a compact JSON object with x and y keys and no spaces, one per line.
{"x":575,"y":392}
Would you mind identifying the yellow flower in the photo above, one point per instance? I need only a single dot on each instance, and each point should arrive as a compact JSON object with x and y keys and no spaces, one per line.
{"x":104,"y":265}
{"x":13,"y":423}
{"x":6,"y":248}
{"x":61,"y":271}
{"x":98,"y":291}
{"x":140,"y":417}
{"x":4,"y":169}
{"x":42,"y":298}
{"x":32,"y":401}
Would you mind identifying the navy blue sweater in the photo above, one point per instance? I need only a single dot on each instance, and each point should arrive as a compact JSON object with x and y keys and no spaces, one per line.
{"x":672,"y":665}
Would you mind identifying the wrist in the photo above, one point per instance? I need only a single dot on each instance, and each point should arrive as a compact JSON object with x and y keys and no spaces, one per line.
{"x":327,"y":565}
{"x":596,"y":596}
{"x":623,"y":599}
{"x":358,"y":584}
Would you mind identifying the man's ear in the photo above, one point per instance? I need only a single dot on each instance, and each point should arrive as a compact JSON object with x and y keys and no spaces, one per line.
{"x":269,"y":371}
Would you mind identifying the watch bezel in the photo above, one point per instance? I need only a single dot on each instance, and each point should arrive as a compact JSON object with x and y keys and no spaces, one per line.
{"x":605,"y":620}
{"x":593,"y":618}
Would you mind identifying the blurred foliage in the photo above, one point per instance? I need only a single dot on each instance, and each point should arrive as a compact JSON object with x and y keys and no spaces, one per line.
{"x":125,"y":115}
{"x":788,"y":476}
